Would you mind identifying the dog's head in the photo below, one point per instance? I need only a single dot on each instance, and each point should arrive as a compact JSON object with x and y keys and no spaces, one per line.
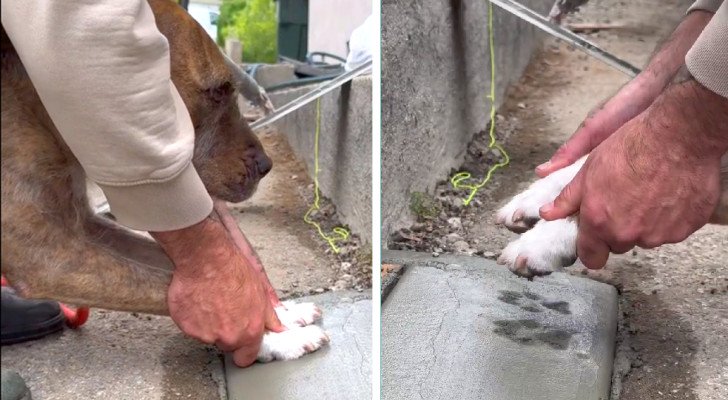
{"x":228,"y":155}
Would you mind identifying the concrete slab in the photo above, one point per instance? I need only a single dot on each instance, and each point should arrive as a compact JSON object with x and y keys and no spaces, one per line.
{"x":341,"y":370}
{"x":466,"y":328}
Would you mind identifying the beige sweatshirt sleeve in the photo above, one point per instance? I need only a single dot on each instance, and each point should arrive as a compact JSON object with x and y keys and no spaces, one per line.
{"x":707,"y":60}
{"x":102,"y":71}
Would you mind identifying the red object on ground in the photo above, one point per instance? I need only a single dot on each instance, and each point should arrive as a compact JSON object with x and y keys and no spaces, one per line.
{"x":74,"y":318}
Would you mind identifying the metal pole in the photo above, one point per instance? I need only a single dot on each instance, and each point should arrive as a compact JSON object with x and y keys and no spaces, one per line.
{"x":566,"y":35}
{"x":312,"y":95}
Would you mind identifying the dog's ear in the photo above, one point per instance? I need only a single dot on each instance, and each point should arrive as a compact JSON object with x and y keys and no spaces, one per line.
{"x":221,"y":93}
{"x":248,"y":87}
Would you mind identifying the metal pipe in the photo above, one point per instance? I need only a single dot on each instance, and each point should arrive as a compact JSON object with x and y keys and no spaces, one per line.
{"x":311,"y":96}
{"x":566,"y":35}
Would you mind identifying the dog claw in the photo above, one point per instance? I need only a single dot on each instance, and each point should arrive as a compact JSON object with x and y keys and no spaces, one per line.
{"x":517,"y":215}
{"x":522,"y":264}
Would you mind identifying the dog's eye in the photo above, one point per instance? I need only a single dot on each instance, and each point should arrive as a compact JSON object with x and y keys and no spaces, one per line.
{"x":221,"y":93}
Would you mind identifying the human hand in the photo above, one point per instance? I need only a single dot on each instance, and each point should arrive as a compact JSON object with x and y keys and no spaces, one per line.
{"x":215,"y":295}
{"x":601,"y":122}
{"x":655,"y":181}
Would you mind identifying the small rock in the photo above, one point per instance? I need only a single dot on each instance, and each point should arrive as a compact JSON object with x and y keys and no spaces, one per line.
{"x":488,"y":254}
{"x":453,"y":237}
{"x":341,"y":284}
{"x":319,"y":290}
{"x":521,"y":105}
{"x":462,"y":246}
{"x":455,"y":223}
{"x":435,"y":254}
{"x":345,"y":266}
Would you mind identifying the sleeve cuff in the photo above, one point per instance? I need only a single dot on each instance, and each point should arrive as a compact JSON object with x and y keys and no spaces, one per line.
{"x":705,"y":5}
{"x":707,"y":60}
{"x":161,"y":206}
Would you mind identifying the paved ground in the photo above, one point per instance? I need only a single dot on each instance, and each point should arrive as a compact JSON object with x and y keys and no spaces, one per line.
{"x":138,"y":357}
{"x":464,"y":327}
{"x":341,"y":370}
{"x":673,"y":336}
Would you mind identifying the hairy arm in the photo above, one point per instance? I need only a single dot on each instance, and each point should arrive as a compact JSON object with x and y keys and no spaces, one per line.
{"x":634,"y":97}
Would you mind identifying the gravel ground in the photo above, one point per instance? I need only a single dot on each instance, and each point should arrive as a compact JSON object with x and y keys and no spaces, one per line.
{"x":673,"y":341}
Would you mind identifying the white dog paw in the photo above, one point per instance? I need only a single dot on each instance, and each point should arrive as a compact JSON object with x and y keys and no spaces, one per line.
{"x":294,"y":314}
{"x":522,"y":212}
{"x":292,"y":344}
{"x":548,"y":247}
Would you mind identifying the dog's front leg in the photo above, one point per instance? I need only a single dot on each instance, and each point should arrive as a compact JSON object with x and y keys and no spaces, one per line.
{"x":127,"y":243}
{"x":44,"y":257}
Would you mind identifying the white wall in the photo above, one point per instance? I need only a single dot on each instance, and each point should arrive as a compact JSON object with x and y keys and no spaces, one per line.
{"x":200,"y":10}
{"x":330,"y":23}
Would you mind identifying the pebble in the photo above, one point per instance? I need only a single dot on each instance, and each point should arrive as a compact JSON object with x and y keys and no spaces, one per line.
{"x":319,"y":290}
{"x":488,"y":254}
{"x":455,"y":223}
{"x":461,"y":246}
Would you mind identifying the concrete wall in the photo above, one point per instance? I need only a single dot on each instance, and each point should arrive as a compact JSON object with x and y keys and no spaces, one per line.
{"x":345,"y":147}
{"x":435,"y":82}
{"x":330,"y":23}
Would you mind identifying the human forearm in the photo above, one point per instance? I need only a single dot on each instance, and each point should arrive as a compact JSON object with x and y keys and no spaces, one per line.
{"x":205,"y":240}
{"x":691,"y":116}
{"x":670,"y":57}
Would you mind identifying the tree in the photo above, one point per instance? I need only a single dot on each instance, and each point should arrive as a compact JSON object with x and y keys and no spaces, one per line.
{"x":254,"y":23}
{"x":226,"y":21}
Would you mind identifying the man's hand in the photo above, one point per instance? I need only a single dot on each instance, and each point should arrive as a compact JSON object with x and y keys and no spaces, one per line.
{"x":602,"y":121}
{"x":632,"y":99}
{"x":655,"y":181}
{"x":215,"y":295}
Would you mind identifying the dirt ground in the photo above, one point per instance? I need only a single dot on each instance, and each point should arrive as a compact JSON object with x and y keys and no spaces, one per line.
{"x":298,"y":261}
{"x":118,"y":355}
{"x":673,"y":337}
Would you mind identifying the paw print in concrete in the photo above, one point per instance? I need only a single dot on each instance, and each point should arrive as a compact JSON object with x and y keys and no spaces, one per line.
{"x":532,"y":302}
{"x":530,"y":331}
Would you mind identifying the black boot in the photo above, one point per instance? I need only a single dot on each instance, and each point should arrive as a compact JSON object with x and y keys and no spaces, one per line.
{"x":23,"y":320}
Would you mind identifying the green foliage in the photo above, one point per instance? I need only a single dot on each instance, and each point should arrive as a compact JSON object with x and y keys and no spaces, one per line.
{"x":254,"y":23}
{"x":424,"y":205}
{"x":226,"y":22}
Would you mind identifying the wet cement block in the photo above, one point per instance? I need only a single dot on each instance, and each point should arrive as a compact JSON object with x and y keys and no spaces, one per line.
{"x":465,"y":328}
{"x":341,"y":370}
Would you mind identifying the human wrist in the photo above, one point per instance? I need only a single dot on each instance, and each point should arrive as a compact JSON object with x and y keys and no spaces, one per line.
{"x":186,"y":245}
{"x":692,"y":115}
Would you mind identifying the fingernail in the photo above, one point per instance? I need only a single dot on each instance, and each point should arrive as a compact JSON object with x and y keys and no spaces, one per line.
{"x":547,"y":208}
{"x":544,"y":165}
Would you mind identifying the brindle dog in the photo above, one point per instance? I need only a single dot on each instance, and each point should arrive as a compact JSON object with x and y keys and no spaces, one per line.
{"x":55,"y":247}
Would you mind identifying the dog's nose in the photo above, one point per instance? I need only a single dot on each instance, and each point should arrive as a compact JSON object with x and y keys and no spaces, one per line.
{"x":264,"y":164}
